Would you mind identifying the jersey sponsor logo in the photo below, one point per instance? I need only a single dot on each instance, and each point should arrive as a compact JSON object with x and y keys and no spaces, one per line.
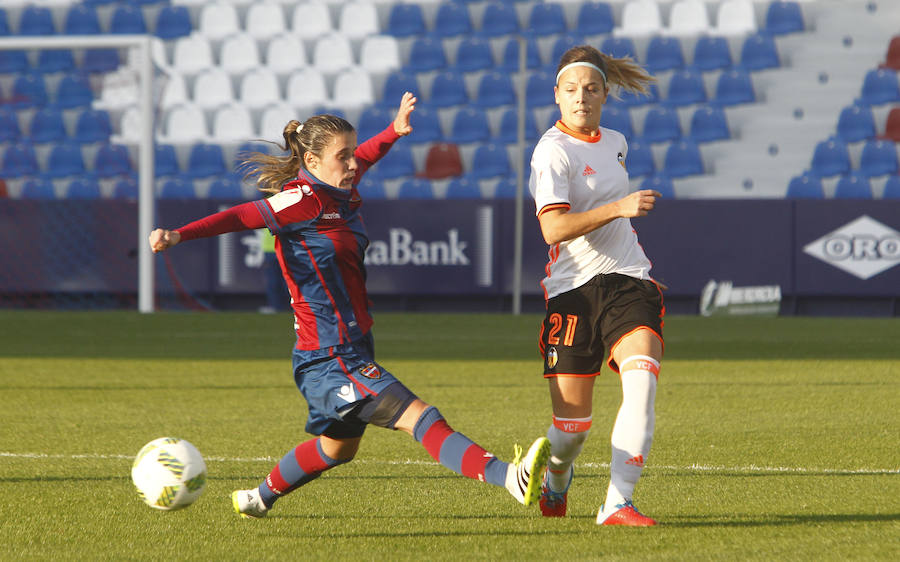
{"x":346,"y":394}
{"x":552,"y":358}
{"x":285,"y":199}
{"x":370,"y":371}
{"x":863,"y":248}
{"x":331,"y":216}
{"x":588,"y":171}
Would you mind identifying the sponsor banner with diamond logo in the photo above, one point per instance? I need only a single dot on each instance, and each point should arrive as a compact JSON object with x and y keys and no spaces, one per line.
{"x":863,"y":248}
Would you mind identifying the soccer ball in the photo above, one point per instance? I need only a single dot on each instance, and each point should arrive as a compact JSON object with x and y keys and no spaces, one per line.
{"x":169,"y":473}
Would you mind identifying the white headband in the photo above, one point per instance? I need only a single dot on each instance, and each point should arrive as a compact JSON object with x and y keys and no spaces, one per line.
{"x":580,"y":63}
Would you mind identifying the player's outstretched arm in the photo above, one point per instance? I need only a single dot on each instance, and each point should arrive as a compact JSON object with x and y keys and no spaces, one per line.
{"x":401,"y":121}
{"x":161,"y":239}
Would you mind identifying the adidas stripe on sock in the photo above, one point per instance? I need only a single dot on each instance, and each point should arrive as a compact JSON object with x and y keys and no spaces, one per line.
{"x":305,"y":463}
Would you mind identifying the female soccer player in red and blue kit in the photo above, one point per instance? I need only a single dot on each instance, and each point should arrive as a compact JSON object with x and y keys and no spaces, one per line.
{"x":315,"y":215}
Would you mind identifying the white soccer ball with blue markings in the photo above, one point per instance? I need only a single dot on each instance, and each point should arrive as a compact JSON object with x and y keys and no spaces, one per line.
{"x":169,"y":473}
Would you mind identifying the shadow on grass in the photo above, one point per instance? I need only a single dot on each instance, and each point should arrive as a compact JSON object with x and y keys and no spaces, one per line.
{"x":781,"y":520}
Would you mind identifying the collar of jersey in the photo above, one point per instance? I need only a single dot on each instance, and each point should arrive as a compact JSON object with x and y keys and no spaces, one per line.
{"x":580,"y":136}
{"x":336,"y":192}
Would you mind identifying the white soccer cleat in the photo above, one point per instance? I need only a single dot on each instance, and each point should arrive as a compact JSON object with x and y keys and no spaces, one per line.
{"x":524,"y":476}
{"x":248,"y":504}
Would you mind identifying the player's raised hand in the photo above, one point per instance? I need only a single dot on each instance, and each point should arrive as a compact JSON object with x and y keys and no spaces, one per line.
{"x":161,"y":239}
{"x":401,"y":121}
{"x":638,"y":204}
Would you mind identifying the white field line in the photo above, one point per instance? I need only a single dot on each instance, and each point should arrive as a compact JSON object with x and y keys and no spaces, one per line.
{"x":751,"y":469}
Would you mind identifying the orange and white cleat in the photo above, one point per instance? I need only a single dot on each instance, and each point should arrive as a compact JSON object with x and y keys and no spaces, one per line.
{"x":626,"y":515}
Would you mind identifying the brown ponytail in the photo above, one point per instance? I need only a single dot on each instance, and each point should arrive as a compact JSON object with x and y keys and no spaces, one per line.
{"x":622,"y":72}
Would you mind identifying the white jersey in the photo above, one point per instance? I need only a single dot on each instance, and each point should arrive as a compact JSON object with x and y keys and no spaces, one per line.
{"x":576,"y":172}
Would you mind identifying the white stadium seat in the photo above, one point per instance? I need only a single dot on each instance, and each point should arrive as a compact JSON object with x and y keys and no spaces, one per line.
{"x":735,"y":17}
{"x":332,"y":53}
{"x":688,"y":17}
{"x":274,"y":118}
{"x":265,"y":20}
{"x":185,"y":124}
{"x":213,"y":88}
{"x":353,"y":89}
{"x":259,"y":88}
{"x":285,"y":53}
{"x":380,"y":54}
{"x":311,"y":19}
{"x":306,"y":88}
{"x":358,"y":19}
{"x":192,"y":54}
{"x":218,"y":20}
{"x":640,"y":18}
{"x":239,"y":54}
{"x":232,"y":123}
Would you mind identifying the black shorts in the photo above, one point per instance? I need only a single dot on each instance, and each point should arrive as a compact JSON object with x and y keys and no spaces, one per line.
{"x":584,"y":323}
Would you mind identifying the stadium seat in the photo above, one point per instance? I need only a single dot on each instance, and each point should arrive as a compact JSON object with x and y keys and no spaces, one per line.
{"x":632,"y":99}
{"x":239,"y":54}
{"x":185,"y":123}
{"x":212,"y":88}
{"x":231,"y":123}
{"x":539,"y":90}
{"x":499,"y":19}
{"x":495,"y":88}
{"x":464,"y":187}
{"x":426,"y":124}
{"x":545,"y":19}
{"x":506,"y":188}
{"x":879,"y":157}
{"x":448,"y":88}
{"x":619,"y":47}
{"x":396,"y":84}
{"x":36,"y":20}
{"x":259,"y":88}
{"x":708,"y":123}
{"x":81,"y":19}
{"x":682,"y":158}
{"x":734,"y":17}
{"x":415,"y":188}
{"x":28,"y":90}
{"x":470,"y":124}
{"x":474,"y":53}
{"x":784,"y":17}
{"x":406,"y":20}
{"x":426,"y":54}
{"x":4,"y":23}
{"x":47,"y":125}
{"x":640,"y":18}
{"x":891,"y":188}
{"x":218,"y":20}
{"x":206,"y":160}
{"x":853,"y":186}
{"x":65,"y":159}
{"x":370,"y":187}
{"x":595,"y":18}
{"x":265,"y":19}
{"x":125,"y":188}
{"x":177,"y":187}
{"x":661,"y":124}
{"x":452,"y":19}
{"x":83,"y":188}
{"x":830,"y":158}
{"x":225,"y":187}
{"x":880,"y":86}
{"x":92,"y":125}
{"x":687,"y":18}
{"x":306,"y":88}
{"x":112,"y":160}
{"x":173,"y":22}
{"x":509,"y":126}
{"x":311,"y":19}
{"x":353,"y":89}
{"x":490,"y":160}
{"x":664,"y":53}
{"x":892,"y":125}
{"x":9,"y":126}
{"x":127,"y":19}
{"x":805,"y":186}
{"x":192,"y":54}
{"x":397,"y":163}
{"x":639,"y":161}
{"x":373,"y":119}
{"x":442,"y":161}
{"x":279,"y":46}
{"x":660,"y":183}
{"x":711,"y":53}
{"x":13,"y":62}
{"x":618,"y":119}
{"x":892,"y":56}
{"x":856,"y":123}
{"x":686,"y":87}
{"x":174,"y":91}
{"x":510,"y":62}
{"x":759,"y":52}
{"x":165,"y":163}
{"x":562,"y":44}
{"x":380,"y":54}
{"x":734,"y":87}
{"x":332,"y":53}
{"x":55,"y":60}
{"x":100,"y":60}
{"x":38,"y":188}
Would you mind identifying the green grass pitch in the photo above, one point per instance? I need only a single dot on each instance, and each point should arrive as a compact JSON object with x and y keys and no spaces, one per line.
{"x":777,"y":438}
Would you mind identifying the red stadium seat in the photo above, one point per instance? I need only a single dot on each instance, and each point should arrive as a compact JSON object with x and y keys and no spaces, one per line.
{"x":892,"y":58}
{"x":442,"y":161}
{"x":892,"y":127}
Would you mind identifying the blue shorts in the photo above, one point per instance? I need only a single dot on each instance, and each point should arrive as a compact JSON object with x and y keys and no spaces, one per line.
{"x":335,"y":382}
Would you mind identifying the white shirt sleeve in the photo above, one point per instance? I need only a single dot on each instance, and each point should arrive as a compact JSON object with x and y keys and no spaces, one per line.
{"x":549,"y":182}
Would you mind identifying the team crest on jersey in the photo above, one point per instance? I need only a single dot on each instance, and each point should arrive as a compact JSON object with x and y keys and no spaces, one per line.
{"x":621,"y":158}
{"x":370,"y":371}
{"x":552,"y":358}
{"x":588,"y":171}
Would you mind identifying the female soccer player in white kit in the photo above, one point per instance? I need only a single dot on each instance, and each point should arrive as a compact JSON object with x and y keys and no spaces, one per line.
{"x":599,"y":292}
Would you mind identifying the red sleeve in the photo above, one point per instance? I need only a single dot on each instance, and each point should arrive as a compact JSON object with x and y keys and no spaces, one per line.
{"x":374,"y":149}
{"x":241,"y":217}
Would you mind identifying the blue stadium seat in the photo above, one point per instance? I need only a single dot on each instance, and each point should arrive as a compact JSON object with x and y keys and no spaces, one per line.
{"x":18,"y":160}
{"x":206,"y":160}
{"x":545,"y":19}
{"x":415,"y":188}
{"x":759,"y":52}
{"x":406,"y":20}
{"x":55,"y":60}
{"x":396,"y":84}
{"x":506,"y":188}
{"x":856,"y":123}
{"x":685,"y":88}
{"x":178,"y":187}
{"x":562,"y":44}
{"x":708,"y":123}
{"x":28,"y":91}
{"x":373,"y":120}
{"x":125,"y":188}
{"x":9,"y":126}
{"x":499,"y":19}
{"x":853,"y":186}
{"x":632,"y":99}
{"x":173,"y":22}
{"x":165,"y":162}
{"x":36,"y":20}
{"x":464,"y":187}
{"x":426,"y":53}
{"x":4,"y":23}
{"x":47,"y":125}
{"x":81,"y":19}
{"x":880,"y":86}
{"x":100,"y":60}
{"x":13,"y":62}
{"x":448,"y":88}
{"x":396,"y":164}
{"x":734,"y":87}
{"x":664,"y":53}
{"x":83,"y":188}
{"x":619,"y":47}
{"x":639,"y":161}
{"x":805,"y":186}
{"x":509,"y":126}
{"x":127,"y":19}
{"x":370,"y":187}
{"x":495,"y":89}
{"x":489,"y":161}
{"x":879,"y":157}
{"x":892,"y":188}
{"x":65,"y":159}
{"x":474,"y":53}
{"x":112,"y":160}
{"x":426,"y":124}
{"x":784,"y":17}
{"x":452,"y":19}
{"x":539,"y":89}
{"x":660,"y":183}
{"x":595,"y":18}
{"x":661,"y":124}
{"x":682,"y":159}
{"x":92,"y":126}
{"x":225,"y":187}
{"x":38,"y":188}
{"x":510,"y":61}
{"x":711,"y":53}
{"x":74,"y":90}
{"x":830,"y":158}
{"x":470,"y":124}
{"x":618,"y":119}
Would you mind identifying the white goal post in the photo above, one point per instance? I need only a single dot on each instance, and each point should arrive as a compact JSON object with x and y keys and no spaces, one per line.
{"x":142,"y":44}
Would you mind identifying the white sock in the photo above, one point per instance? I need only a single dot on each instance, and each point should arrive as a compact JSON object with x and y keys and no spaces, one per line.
{"x":632,"y":434}
{"x":567,"y":436}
